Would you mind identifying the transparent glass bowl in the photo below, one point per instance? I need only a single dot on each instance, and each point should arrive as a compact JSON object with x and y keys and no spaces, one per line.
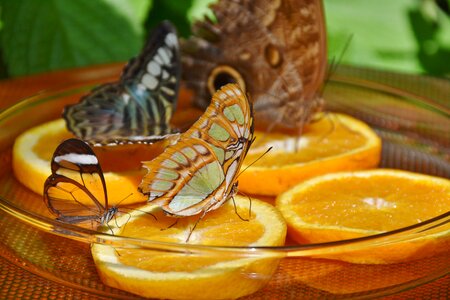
{"x":415,"y":135}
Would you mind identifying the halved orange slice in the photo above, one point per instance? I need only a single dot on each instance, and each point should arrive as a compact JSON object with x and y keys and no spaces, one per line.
{"x":193,"y":275}
{"x":122,"y":165}
{"x":335,"y":143}
{"x":33,"y":151}
{"x":348,"y":205}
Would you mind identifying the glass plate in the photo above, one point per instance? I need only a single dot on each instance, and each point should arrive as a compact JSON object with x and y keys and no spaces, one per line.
{"x":415,"y":135}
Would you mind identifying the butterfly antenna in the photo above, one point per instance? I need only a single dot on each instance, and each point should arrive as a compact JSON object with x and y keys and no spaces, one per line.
{"x":335,"y":63}
{"x":256,"y":160}
{"x":124,"y":199}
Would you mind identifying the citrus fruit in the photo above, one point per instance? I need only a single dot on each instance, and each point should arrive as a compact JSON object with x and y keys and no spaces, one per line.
{"x":33,"y":151}
{"x":335,"y":143}
{"x":122,"y":167}
{"x":193,"y":274}
{"x":348,"y":205}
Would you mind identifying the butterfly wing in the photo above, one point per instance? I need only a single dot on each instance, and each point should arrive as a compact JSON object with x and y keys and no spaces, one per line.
{"x":185,"y":178}
{"x":276,"y":50}
{"x":226,"y":125}
{"x":76,"y":174}
{"x":198,"y":173}
{"x":138,"y":108}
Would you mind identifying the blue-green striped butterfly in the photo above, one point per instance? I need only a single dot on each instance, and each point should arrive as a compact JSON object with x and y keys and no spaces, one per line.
{"x":137,"y":108}
{"x":198,"y":173}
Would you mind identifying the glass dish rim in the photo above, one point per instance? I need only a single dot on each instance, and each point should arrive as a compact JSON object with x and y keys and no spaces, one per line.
{"x":74,"y":232}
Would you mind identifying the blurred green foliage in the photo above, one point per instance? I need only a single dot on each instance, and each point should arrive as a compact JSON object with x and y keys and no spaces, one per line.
{"x":37,"y":36}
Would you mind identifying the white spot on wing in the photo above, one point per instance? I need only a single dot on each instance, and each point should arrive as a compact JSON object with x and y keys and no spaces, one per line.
{"x":163,"y":53}
{"x":168,"y":91}
{"x":201,"y":149}
{"x":230,"y":92}
{"x":149,"y":81}
{"x":154,"y":68}
{"x":158,"y":59}
{"x":231,"y":172}
{"x":80,"y":159}
{"x":126,"y":98}
{"x":171,"y":40}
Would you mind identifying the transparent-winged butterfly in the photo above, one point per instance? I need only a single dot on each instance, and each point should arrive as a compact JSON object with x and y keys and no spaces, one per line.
{"x":76,"y":190}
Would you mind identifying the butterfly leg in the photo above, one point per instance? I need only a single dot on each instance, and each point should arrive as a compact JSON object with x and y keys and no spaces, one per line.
{"x":170,"y":226}
{"x":125,"y":224}
{"x":110,"y":228}
{"x":196,"y":223}
{"x":249,"y":209}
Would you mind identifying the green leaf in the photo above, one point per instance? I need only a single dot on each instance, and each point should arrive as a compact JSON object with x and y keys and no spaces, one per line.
{"x":199,"y":9}
{"x":382,"y":36}
{"x":135,"y":10}
{"x":39,"y":36}
{"x":175,"y":11}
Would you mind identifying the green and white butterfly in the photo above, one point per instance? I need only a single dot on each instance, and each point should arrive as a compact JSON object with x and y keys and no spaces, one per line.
{"x":198,"y":173}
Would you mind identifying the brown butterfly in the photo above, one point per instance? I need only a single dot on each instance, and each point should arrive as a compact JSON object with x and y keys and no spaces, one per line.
{"x":276,"y":51}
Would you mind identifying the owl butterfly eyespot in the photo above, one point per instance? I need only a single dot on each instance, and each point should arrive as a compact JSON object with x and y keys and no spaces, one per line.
{"x":137,"y":108}
{"x":198,"y":173}
{"x":276,"y":51}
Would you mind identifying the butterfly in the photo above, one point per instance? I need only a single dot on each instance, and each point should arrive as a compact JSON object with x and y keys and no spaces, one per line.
{"x":275,"y":50}
{"x":138,"y":107}
{"x":76,"y":174}
{"x":198,"y":173}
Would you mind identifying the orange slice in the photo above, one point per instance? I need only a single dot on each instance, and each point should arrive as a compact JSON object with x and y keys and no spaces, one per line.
{"x":194,"y":275}
{"x":33,"y":151}
{"x":354,"y":204}
{"x":334,"y":143}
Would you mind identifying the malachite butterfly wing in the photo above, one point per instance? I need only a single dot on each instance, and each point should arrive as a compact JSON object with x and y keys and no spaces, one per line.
{"x":137,"y":108}
{"x":198,"y":173}
{"x":76,"y":173}
{"x":276,"y":51}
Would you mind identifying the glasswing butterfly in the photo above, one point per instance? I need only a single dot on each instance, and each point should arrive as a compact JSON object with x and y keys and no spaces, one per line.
{"x":77,"y":174}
